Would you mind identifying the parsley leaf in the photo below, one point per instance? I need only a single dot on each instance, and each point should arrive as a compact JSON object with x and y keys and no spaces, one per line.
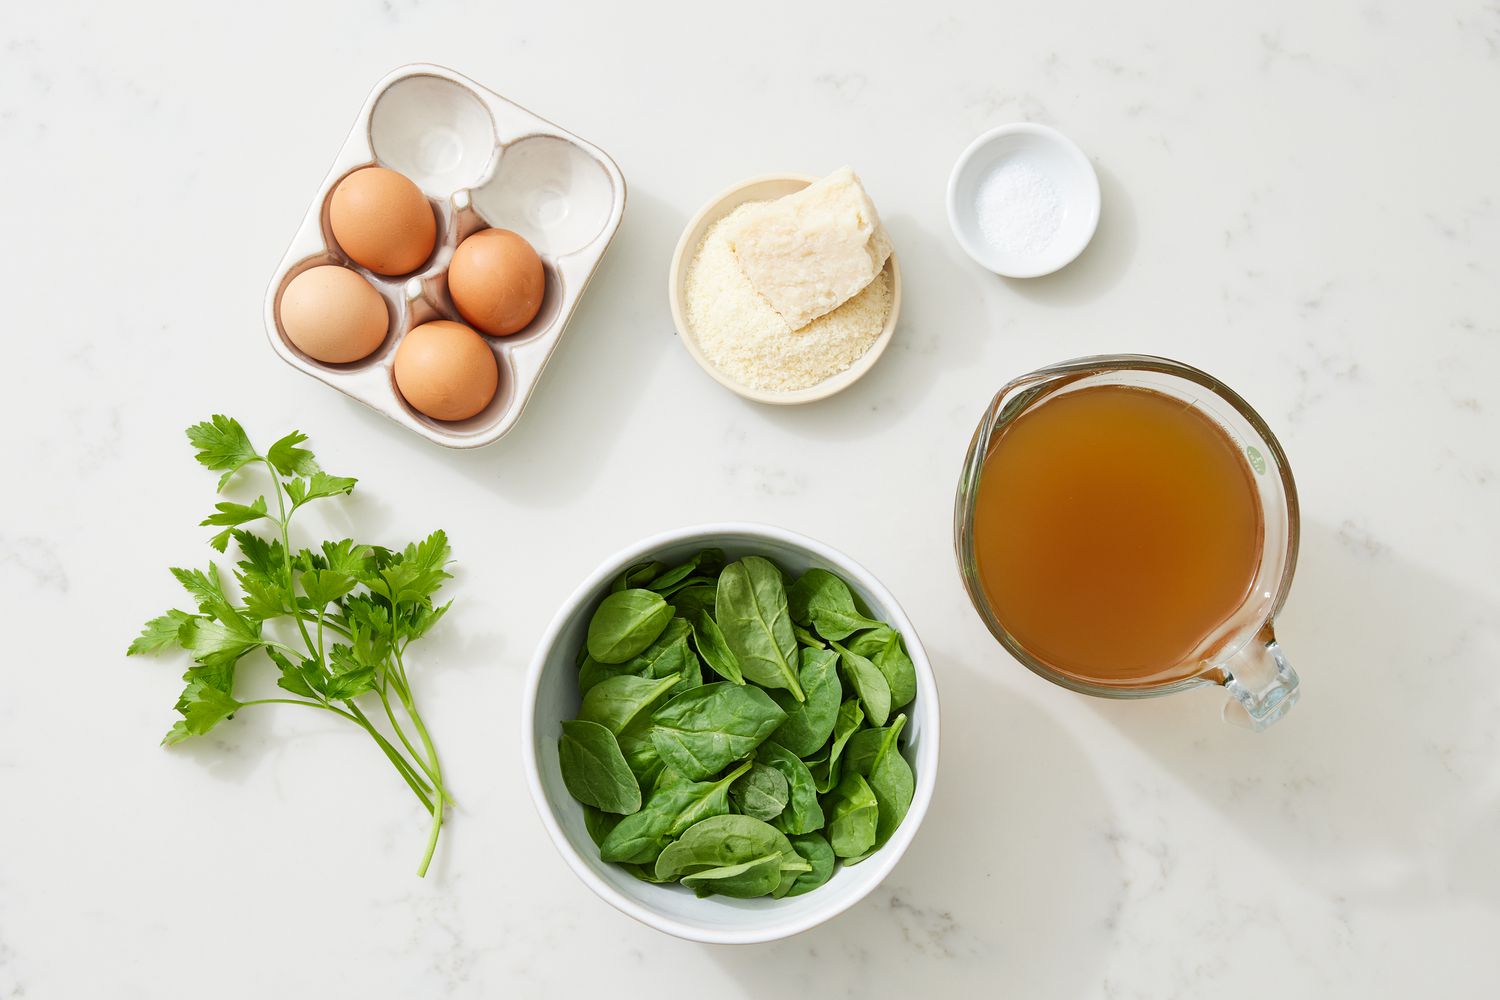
{"x":222,"y":445}
{"x":233,"y":514}
{"x":159,"y":633}
{"x":203,"y":706}
{"x":316,"y":488}
{"x":216,"y":644}
{"x":262,"y":560}
{"x":236,"y":513}
{"x":206,"y":589}
{"x":351,"y":676}
{"x":303,"y":678}
{"x":360,"y":611}
{"x":324,"y":586}
{"x":431,"y":553}
{"x":414,"y":575}
{"x":345,"y":556}
{"x":289,"y":460}
{"x":423,"y":619}
{"x":263,"y":600}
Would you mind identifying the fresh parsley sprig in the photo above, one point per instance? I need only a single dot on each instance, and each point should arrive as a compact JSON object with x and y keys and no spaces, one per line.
{"x":354,"y":608}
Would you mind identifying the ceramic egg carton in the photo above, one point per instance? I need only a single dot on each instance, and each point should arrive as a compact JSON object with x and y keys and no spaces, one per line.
{"x":482,"y":162}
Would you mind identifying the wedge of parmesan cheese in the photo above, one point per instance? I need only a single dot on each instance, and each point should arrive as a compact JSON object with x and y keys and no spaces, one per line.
{"x":810,"y":252}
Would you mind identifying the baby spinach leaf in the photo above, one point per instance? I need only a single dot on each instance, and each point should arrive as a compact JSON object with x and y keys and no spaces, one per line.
{"x":825,"y":769}
{"x":727,"y":841}
{"x":868,"y":746}
{"x":822,"y":600}
{"x":695,"y":580}
{"x":799,"y":597}
{"x":692,"y":671}
{"x":815,"y":851}
{"x":668,"y":777}
{"x":660,"y":658}
{"x":594,"y":770}
{"x":713,"y":649}
{"x":648,"y":662}
{"x":859,"y":755}
{"x":670,"y":654}
{"x":716,"y":841}
{"x":751,"y":612}
{"x":640,"y":753}
{"x":818,"y":766}
{"x":591,"y":672}
{"x":704,"y":730}
{"x":802,"y":813}
{"x":638,"y":575}
{"x":598,"y":823}
{"x":690,"y":600}
{"x":810,"y":722}
{"x":892,"y":782}
{"x":853,"y":813}
{"x":644,"y":873}
{"x":626,"y":623}
{"x":869,"y":683}
{"x":615,"y":702}
{"x":708,"y":560}
{"x":670,"y":810}
{"x":745,"y":880}
{"x":884,"y":648}
{"x":760,"y":793}
{"x":870,"y":642}
{"x":806,"y":638}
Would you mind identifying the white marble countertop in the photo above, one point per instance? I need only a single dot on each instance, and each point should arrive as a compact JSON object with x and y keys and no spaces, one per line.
{"x":1299,"y":198}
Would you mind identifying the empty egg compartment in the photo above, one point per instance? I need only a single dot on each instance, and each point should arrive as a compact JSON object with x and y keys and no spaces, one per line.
{"x":551,"y":191}
{"x":435,"y":131}
{"x":480,"y":162}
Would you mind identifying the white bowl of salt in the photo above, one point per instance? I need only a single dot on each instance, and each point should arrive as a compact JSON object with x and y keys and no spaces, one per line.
{"x":1023,"y":200}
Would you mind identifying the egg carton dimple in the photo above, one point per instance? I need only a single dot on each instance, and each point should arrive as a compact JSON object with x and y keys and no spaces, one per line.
{"x":482,"y":162}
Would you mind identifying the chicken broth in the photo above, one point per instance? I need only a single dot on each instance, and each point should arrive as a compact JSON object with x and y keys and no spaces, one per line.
{"x":1115,"y":530}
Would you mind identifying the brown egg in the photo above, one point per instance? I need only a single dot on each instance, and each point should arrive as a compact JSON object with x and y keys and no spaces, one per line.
{"x":382,"y":221}
{"x":332,"y":314}
{"x":446,"y":370}
{"x":496,"y":281}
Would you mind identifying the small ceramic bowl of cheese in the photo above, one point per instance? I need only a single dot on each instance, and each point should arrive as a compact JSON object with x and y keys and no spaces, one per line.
{"x":729,"y":324}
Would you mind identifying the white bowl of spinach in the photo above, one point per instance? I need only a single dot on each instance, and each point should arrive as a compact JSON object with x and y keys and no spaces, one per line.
{"x":731,"y":732}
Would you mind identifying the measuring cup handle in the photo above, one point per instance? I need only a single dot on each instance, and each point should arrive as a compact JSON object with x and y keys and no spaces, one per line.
{"x":1261,"y":683}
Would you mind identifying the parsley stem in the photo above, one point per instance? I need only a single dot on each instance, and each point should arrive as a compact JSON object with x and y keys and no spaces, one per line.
{"x":308,"y":616}
{"x":286,"y":549}
{"x":402,"y":764}
{"x":407,"y":702}
{"x":401,"y":733}
{"x":283,"y":647}
{"x":432,"y":838}
{"x":418,"y":786}
{"x":411,"y":779}
{"x":403,"y":690}
{"x":289,"y":701}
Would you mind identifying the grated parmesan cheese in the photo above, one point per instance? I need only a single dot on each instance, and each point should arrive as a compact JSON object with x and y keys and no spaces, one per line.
{"x":747,"y":340}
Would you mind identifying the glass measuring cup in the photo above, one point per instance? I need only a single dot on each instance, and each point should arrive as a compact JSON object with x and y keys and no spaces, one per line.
{"x":1242,"y":654}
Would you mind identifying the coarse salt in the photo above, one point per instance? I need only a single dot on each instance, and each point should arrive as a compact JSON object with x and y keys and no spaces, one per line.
{"x":1019,"y":208}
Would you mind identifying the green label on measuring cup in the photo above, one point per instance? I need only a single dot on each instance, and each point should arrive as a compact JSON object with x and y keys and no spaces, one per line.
{"x":1257,"y":460}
